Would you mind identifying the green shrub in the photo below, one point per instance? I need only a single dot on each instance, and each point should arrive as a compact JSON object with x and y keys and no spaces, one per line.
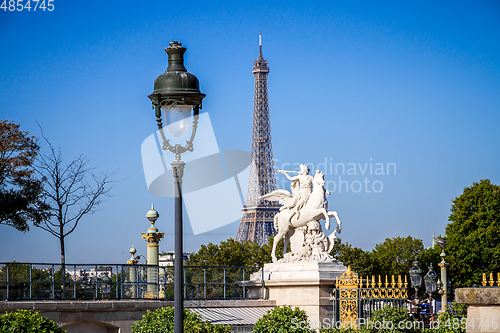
{"x":27,"y":321}
{"x":283,"y":319}
{"x":398,"y":317}
{"x":450,"y":321}
{"x":162,"y":321}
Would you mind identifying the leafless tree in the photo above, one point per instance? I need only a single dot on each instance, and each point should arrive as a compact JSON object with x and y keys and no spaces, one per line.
{"x":72,"y":191}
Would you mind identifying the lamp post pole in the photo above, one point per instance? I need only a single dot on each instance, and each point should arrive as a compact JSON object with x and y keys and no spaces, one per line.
{"x":176,"y":94}
{"x":178,"y":169}
{"x":444,"y":283}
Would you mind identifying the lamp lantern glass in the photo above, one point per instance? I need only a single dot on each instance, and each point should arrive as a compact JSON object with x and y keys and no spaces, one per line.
{"x":177,"y":118}
{"x":430,"y":280}
{"x":416,"y":274}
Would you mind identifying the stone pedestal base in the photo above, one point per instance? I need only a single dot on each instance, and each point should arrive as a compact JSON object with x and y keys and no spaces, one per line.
{"x":483,"y":313}
{"x":306,"y":284}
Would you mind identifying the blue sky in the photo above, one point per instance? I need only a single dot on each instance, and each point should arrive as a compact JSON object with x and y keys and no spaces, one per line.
{"x":412,"y":83}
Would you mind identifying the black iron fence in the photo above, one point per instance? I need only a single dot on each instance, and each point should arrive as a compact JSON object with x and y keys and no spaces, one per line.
{"x":32,"y":281}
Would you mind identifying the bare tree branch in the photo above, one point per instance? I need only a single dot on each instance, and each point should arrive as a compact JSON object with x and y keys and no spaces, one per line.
{"x":72,"y":191}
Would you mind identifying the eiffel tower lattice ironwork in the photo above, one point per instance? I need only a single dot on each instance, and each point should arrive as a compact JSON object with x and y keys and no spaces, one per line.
{"x":257,"y":222}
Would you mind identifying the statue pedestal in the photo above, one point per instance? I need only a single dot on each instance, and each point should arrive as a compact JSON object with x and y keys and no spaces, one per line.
{"x":306,"y":284}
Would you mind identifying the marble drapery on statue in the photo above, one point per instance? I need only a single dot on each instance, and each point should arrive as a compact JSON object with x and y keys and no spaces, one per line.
{"x":298,"y":219}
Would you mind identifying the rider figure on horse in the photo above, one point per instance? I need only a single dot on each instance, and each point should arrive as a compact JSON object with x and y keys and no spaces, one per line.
{"x":301,"y":190}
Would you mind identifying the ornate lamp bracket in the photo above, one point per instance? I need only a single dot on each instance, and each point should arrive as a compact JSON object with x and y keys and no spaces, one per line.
{"x":176,"y":149}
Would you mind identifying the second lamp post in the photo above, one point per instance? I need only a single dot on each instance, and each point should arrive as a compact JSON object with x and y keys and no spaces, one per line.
{"x":430,"y":286}
{"x":177,"y":98}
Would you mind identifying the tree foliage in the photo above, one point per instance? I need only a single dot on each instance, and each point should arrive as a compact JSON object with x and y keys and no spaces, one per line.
{"x":21,"y":200}
{"x":360,"y":261}
{"x":395,"y":256}
{"x":27,"y":321}
{"x":233,"y":253}
{"x":162,"y":321}
{"x":473,"y":233}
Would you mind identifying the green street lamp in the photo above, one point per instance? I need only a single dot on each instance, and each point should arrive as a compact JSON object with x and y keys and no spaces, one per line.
{"x":177,"y":96}
{"x":416,"y":277}
{"x":430,"y":284}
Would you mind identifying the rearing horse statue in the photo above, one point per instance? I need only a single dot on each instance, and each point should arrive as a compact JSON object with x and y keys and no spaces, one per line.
{"x":315,"y":209}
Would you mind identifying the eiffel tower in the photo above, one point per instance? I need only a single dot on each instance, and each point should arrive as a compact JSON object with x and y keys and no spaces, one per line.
{"x":257,"y":221}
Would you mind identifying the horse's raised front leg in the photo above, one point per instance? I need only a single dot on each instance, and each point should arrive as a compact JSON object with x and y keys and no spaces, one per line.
{"x":339,"y":223}
{"x":326,"y":217}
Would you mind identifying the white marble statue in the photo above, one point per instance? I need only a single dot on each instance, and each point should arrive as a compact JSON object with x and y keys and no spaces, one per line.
{"x":298,"y":219}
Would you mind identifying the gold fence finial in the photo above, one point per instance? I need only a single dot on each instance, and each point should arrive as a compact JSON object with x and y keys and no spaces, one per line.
{"x":400,"y":282}
{"x":498,"y":279}
{"x":484,"y":282}
{"x":373,"y":281}
{"x":393,"y":282}
{"x":386,"y":282}
{"x":379,"y":281}
{"x":492,"y":282}
{"x":348,"y":279}
{"x":406,"y":282}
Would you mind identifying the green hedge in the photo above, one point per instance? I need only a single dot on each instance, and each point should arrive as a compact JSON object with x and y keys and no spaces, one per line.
{"x":162,"y":321}
{"x":27,"y":321}
{"x":283,"y":319}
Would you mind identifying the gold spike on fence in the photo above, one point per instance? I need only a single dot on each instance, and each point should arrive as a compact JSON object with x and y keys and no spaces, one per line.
{"x":491,"y":281}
